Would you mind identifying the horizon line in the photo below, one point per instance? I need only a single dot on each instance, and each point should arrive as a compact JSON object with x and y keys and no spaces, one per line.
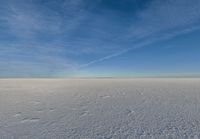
{"x":103,"y":77}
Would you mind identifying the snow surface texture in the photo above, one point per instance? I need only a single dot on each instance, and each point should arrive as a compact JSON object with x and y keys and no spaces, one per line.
{"x":100,"y":108}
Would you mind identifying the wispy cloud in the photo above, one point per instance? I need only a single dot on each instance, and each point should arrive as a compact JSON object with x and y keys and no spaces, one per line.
{"x":67,"y":35}
{"x":33,"y":36}
{"x":161,"y":20}
{"x":142,"y":44}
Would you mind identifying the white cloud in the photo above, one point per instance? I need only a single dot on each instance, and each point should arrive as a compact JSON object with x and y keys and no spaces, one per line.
{"x":72,"y":31}
{"x":161,"y":20}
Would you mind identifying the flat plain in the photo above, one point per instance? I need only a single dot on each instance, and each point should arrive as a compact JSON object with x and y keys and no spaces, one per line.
{"x":137,"y":108}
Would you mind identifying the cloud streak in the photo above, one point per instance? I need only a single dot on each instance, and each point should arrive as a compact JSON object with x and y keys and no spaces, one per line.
{"x":75,"y":34}
{"x":142,"y":44}
{"x":158,"y":22}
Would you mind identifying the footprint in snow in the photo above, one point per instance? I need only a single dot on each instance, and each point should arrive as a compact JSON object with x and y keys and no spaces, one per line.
{"x":35,"y":102}
{"x":129,"y":112}
{"x":51,"y":109}
{"x":32,"y":120}
{"x":84,"y":113}
{"x":105,"y":96}
{"x":39,"y":110}
{"x":17,"y":114}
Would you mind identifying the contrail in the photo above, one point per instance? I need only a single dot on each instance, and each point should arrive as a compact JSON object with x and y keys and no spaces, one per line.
{"x":143,"y":44}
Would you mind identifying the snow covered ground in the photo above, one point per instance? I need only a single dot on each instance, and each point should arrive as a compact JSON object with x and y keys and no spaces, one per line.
{"x":100,"y":108}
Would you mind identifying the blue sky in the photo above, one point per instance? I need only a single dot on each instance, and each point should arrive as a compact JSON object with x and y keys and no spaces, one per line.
{"x":72,"y":38}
